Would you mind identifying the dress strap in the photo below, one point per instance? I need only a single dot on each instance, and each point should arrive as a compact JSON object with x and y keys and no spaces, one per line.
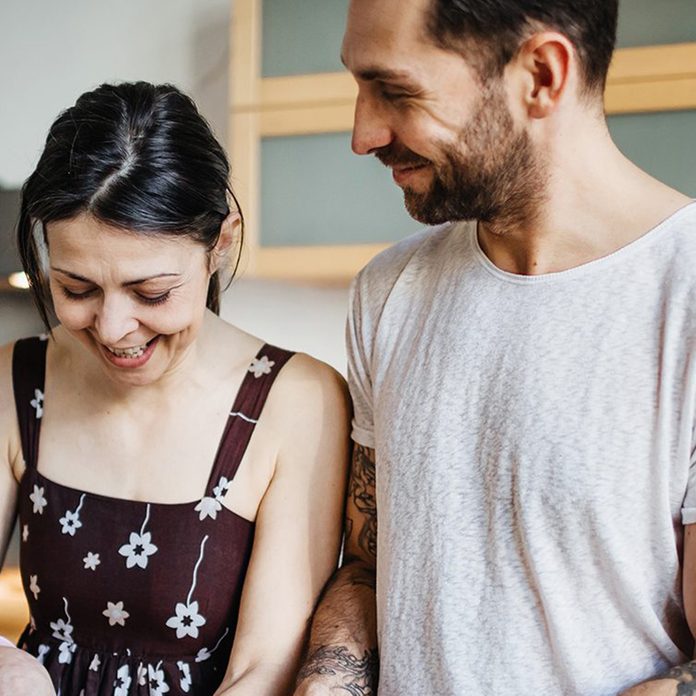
{"x":245,"y":414}
{"x":28,"y":377}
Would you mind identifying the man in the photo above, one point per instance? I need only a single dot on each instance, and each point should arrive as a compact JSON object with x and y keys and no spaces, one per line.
{"x":524,"y":382}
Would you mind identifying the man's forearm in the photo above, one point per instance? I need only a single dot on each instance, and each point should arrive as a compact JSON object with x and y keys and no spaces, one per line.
{"x":342,"y":652}
{"x":679,"y":681}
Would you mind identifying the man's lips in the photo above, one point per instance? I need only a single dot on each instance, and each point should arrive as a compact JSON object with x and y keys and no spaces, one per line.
{"x":402,"y":173}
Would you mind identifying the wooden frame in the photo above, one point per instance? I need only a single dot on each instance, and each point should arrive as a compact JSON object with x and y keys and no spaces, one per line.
{"x":646,"y":79}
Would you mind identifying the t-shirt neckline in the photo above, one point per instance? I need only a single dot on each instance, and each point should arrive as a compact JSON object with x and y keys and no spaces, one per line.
{"x":582,"y":269}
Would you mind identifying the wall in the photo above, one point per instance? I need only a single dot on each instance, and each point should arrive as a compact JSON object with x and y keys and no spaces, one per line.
{"x":51,"y":52}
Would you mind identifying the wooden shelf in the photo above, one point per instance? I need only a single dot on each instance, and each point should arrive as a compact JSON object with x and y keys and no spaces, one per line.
{"x":641,"y":80}
{"x":14,"y":612}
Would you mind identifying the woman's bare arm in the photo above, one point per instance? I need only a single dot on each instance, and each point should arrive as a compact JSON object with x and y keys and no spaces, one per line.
{"x":298,"y":531}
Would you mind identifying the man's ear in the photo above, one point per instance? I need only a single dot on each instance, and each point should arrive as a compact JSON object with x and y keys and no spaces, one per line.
{"x":547,"y":62}
{"x":229,"y":236}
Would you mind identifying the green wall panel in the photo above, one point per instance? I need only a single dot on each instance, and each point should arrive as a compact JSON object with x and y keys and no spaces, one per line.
{"x":664,"y":144}
{"x":647,"y":22}
{"x":314,"y":190}
{"x":302,"y":36}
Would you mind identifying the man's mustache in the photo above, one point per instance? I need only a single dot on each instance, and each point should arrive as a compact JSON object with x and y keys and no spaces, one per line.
{"x":396,"y":156}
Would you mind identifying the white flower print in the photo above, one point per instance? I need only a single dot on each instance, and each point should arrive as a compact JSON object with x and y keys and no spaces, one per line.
{"x":116,"y":614}
{"x":208,"y":507}
{"x":62,"y":630}
{"x":187,"y":620}
{"x":65,"y":652}
{"x":25,"y":531}
{"x":139,"y":547}
{"x":141,"y":675}
{"x":122,"y":682}
{"x":34,"y":586}
{"x":37,"y":402}
{"x":221,"y":489}
{"x":185,"y":681}
{"x":70,"y":522}
{"x":43,"y":651}
{"x":91,"y":561}
{"x":204,"y":654}
{"x":37,"y":497}
{"x":43,"y":337}
{"x":95,"y":664}
{"x":261,"y":366}
{"x":158,"y":685}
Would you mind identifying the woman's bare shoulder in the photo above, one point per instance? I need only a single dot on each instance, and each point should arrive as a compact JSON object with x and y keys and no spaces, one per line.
{"x":309,"y":395}
{"x":6,"y":391}
{"x":9,"y":429}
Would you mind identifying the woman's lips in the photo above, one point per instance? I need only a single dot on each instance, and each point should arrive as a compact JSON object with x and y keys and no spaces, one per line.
{"x":131,"y":362}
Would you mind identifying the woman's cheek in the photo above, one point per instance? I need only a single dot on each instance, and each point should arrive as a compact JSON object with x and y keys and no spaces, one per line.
{"x":73,"y":315}
{"x":176,"y":318}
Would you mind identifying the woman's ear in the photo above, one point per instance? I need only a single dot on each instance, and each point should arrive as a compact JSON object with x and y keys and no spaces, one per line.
{"x":229,"y":235}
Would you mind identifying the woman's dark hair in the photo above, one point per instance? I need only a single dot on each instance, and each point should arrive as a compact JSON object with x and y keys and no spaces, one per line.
{"x":135,"y":156}
{"x":498,"y":26}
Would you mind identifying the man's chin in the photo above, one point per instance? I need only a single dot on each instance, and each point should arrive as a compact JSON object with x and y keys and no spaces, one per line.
{"x":421,"y":208}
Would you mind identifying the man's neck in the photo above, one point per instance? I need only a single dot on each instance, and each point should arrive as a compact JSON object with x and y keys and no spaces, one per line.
{"x":596,"y":202}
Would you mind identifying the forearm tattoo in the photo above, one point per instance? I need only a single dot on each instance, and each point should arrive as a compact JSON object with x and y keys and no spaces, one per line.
{"x":362,"y":491}
{"x":686,"y":676}
{"x":360,"y":675}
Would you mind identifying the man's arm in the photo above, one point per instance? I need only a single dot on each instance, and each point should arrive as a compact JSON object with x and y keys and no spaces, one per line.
{"x":342,"y":652}
{"x":681,"y":680}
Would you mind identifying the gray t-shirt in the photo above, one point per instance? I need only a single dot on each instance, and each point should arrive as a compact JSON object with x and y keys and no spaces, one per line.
{"x":534,"y":439}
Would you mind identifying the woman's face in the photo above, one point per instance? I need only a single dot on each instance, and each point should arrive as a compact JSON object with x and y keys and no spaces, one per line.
{"x":135,"y":301}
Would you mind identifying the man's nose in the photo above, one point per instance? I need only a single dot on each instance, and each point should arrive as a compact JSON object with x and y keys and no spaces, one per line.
{"x":114,"y":320}
{"x":371,"y":130}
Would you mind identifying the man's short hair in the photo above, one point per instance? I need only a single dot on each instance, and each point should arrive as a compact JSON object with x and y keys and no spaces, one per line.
{"x":490,"y":32}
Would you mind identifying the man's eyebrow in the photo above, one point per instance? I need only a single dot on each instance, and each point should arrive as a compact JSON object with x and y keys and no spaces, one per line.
{"x":82,"y":279}
{"x":370,"y":73}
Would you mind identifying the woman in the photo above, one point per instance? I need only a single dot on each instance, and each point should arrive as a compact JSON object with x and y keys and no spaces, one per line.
{"x":174,"y":536}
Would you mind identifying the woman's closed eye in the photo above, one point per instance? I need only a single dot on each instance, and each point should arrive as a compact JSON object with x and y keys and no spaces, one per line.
{"x":154,"y":299}
{"x":140,"y":297}
{"x":75,"y":295}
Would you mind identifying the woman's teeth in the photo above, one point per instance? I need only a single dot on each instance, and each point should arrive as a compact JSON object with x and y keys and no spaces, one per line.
{"x":134,"y":352}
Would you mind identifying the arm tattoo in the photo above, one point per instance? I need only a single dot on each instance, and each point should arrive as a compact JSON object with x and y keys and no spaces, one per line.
{"x":362,"y":490}
{"x":360,"y":675}
{"x":349,"y":527}
{"x":686,"y":678}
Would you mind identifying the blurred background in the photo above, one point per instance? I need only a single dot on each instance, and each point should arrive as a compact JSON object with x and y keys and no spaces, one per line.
{"x":267,"y":75}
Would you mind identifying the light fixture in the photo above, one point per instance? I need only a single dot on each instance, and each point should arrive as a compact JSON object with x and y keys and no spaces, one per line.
{"x":18,"y":280}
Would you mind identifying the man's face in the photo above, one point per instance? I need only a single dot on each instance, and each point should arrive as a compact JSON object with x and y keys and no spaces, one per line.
{"x":450,"y":140}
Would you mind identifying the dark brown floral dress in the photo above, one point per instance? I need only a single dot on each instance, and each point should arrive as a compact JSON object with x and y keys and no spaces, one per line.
{"x":126,"y":597}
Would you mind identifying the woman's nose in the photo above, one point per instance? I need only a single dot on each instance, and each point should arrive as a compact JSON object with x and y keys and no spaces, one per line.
{"x":114,"y":320}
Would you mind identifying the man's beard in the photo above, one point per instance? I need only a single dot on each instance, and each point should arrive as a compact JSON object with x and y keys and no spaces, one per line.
{"x":490,"y":174}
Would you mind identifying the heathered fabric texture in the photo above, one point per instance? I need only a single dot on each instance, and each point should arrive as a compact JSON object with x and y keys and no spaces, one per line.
{"x":534,"y":441}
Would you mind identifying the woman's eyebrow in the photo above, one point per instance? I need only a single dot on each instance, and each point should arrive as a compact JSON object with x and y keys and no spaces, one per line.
{"x":82,"y":279}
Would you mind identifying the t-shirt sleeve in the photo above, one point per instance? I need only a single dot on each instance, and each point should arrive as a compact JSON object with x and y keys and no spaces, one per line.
{"x":358,"y":347}
{"x":688,"y":511}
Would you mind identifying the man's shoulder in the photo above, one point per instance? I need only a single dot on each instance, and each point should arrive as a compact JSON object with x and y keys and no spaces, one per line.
{"x":673,"y":244}
{"x":682,"y":225}
{"x":385,"y":268}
